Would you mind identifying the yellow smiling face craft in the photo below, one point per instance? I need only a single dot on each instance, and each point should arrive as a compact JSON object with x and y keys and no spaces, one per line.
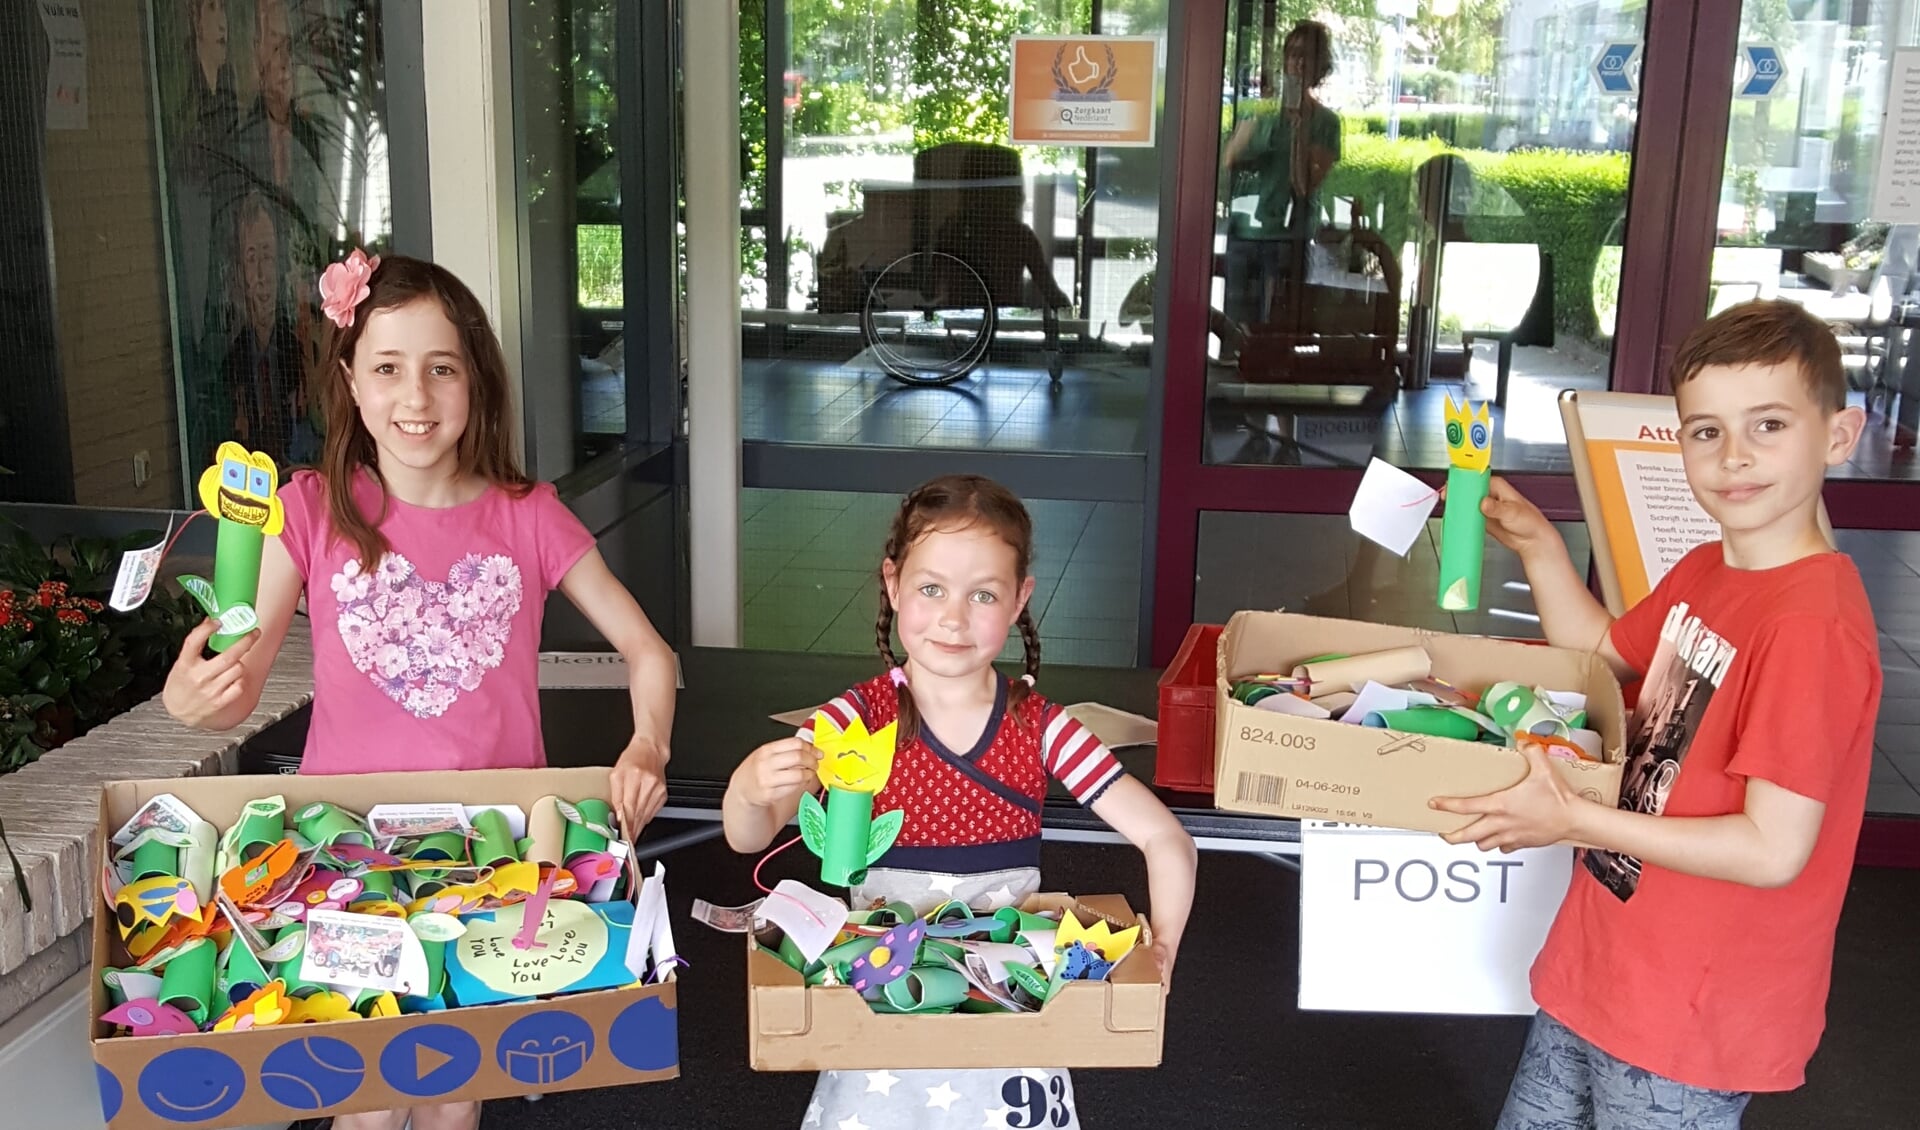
{"x":853,"y":760}
{"x":240,"y":487}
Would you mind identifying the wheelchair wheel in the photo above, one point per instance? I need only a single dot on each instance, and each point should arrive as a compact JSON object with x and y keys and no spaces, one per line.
{"x":928,"y":318}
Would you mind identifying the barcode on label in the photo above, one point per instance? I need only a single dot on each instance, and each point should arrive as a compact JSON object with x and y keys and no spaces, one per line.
{"x":1261,"y":788}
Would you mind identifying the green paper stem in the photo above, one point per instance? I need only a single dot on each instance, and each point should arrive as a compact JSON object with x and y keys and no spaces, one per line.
{"x":1433,"y":721}
{"x":924,"y":988}
{"x":257,"y":832}
{"x":187,"y":981}
{"x":849,"y":821}
{"x":493,"y":842}
{"x":450,"y":846}
{"x":155,"y":858}
{"x":289,"y":970}
{"x":243,"y":966}
{"x":581,"y":840}
{"x":1463,"y":539}
{"x":236,"y":571}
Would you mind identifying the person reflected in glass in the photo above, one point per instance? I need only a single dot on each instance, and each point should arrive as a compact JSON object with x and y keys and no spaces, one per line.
{"x":1286,"y":149}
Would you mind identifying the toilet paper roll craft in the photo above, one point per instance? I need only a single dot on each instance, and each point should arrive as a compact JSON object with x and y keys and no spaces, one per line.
{"x":492,"y":843}
{"x":1327,"y":675}
{"x":329,"y":826}
{"x":1518,"y":709}
{"x":149,"y":1017}
{"x":1081,"y":963}
{"x":546,"y":832}
{"x":187,"y":982}
{"x":1463,"y":528}
{"x":262,"y":825}
{"x":155,"y":852}
{"x":854,"y":767}
{"x":241,"y":491}
{"x":1431,"y":721}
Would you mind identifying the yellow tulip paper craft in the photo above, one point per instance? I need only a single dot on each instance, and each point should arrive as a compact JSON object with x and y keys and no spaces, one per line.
{"x":239,"y":490}
{"x":854,"y":766}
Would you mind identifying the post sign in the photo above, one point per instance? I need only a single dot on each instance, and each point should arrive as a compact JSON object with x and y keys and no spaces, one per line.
{"x":1084,"y":90}
{"x":1394,"y":921}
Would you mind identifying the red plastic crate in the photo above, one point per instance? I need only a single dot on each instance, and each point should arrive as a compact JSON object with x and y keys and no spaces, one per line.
{"x":1183,"y":760}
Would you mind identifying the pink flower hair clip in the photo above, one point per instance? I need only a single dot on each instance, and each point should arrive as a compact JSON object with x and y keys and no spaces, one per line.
{"x":343,"y":286}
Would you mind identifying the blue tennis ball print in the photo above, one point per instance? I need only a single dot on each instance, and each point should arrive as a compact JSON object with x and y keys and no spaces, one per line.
{"x":646,"y":1037}
{"x":191,"y":1085}
{"x":312,"y":1073}
{"x":110,"y":1094}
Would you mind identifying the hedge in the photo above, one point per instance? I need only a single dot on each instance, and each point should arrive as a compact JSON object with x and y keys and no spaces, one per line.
{"x":1469,"y":129}
{"x":1567,"y":202}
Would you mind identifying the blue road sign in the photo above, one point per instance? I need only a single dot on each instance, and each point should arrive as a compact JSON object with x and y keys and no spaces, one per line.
{"x":1613,"y":70}
{"x":1766,"y":70}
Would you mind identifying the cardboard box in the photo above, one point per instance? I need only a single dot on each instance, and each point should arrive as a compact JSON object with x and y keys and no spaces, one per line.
{"x":1280,"y":765}
{"x":281,"y":1074}
{"x":1114,"y":1023}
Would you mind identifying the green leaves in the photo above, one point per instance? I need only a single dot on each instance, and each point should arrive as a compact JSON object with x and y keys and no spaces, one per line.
{"x":885,"y":829}
{"x":813,"y":824}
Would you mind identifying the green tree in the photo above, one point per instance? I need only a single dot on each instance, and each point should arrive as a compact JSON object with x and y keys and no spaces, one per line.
{"x":961,"y":61}
{"x":1466,"y":42}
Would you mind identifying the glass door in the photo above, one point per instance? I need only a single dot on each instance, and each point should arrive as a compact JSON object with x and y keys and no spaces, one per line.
{"x":1793,"y":218}
{"x":1406,"y":202}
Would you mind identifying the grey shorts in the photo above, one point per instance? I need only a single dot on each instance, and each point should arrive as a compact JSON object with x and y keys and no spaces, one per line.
{"x":1565,"y":1083}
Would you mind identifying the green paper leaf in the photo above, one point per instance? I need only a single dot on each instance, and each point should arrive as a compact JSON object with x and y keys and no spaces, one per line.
{"x":813,"y":824}
{"x":886,"y":828}
{"x":201,"y":590}
{"x":1031,"y":980}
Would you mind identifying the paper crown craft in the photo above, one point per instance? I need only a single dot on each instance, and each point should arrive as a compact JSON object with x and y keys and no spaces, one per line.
{"x":844,"y":833}
{"x":240,"y":492}
{"x":1463,"y":529}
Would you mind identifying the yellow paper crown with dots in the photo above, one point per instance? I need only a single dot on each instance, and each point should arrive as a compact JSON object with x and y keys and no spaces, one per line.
{"x":852,"y":759}
{"x":1469,"y":436}
{"x":1100,"y":937}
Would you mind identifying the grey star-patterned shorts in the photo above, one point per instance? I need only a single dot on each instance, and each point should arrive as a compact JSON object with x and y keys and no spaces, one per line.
{"x":998,"y":1099}
{"x":1566,"y":1083}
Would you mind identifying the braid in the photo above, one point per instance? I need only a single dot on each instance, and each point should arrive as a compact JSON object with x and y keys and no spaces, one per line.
{"x":1030,"y":646}
{"x":907,"y":715}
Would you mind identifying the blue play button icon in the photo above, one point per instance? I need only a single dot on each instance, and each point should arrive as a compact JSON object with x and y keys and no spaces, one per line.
{"x":1613,"y":69}
{"x":1766,"y":70}
{"x":430,"y":1061}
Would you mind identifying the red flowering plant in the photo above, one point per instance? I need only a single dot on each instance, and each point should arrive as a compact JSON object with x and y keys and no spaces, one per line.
{"x":67,"y":662}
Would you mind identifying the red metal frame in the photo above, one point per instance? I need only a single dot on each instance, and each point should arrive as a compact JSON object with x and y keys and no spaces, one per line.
{"x":1666,"y":267}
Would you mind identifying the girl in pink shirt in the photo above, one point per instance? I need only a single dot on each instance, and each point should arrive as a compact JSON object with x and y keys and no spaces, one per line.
{"x":425,"y":556}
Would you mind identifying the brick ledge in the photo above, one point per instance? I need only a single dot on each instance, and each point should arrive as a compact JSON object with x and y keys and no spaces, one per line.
{"x":50,"y":808}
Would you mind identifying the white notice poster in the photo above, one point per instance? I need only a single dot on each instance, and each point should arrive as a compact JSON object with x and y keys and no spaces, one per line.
{"x":1665,"y":511}
{"x":66,"y":64}
{"x":1896,"y":182}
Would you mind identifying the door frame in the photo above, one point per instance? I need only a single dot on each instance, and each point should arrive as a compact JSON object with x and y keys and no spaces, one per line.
{"x":1673,"y":194}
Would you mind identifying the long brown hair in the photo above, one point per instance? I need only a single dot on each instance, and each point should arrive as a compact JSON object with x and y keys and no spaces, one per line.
{"x":957,"y":502}
{"x":485,"y":449}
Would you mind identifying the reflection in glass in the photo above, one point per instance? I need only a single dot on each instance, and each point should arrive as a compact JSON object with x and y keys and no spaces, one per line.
{"x":1420,"y":201}
{"x":1794,"y":219}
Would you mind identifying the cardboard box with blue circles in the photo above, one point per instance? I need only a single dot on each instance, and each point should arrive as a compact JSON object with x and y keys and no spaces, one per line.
{"x":281,"y":948}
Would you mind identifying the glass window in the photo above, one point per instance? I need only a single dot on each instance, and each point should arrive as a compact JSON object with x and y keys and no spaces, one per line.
{"x":1418,"y":200}
{"x":1803,"y":143}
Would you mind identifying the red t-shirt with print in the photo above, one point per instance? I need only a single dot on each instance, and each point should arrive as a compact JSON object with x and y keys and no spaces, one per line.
{"x":1772,"y":674}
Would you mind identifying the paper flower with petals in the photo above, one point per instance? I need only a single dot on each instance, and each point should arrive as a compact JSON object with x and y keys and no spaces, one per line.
{"x":321,"y":1008}
{"x":854,"y":766}
{"x":1102,"y":939}
{"x":265,"y":1008}
{"x":343,"y":286}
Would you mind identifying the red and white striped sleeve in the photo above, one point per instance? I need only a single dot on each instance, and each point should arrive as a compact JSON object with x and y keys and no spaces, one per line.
{"x":841,"y":710}
{"x":1075,"y":758}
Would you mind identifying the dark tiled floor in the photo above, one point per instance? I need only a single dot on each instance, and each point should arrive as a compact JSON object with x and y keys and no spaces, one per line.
{"x":808,"y":561}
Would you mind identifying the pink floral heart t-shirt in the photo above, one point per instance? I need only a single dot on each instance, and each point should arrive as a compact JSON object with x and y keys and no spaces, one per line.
{"x":430,"y":657}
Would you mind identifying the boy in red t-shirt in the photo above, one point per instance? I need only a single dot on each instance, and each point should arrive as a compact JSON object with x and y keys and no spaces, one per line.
{"x":1689,"y":964}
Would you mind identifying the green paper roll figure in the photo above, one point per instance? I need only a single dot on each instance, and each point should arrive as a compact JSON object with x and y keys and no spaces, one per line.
{"x":241,"y":491}
{"x":1463,"y":528}
{"x":854,"y":766}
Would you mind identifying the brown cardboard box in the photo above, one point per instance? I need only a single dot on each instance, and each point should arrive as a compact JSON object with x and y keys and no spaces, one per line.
{"x":281,"y":1074}
{"x":1115,"y":1023}
{"x":1277,"y":764}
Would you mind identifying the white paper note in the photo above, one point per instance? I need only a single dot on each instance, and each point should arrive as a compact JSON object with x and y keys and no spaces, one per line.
{"x":810,"y":918}
{"x":1391,"y":507}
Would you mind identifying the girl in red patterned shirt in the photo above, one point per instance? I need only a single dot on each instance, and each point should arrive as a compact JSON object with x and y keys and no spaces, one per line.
{"x":974,"y":756}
